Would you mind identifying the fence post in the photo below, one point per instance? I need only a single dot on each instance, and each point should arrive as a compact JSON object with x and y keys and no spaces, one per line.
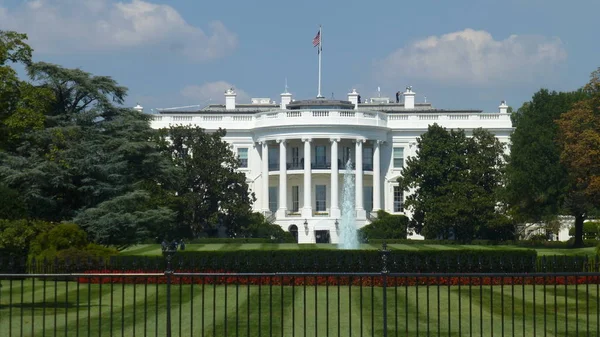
{"x":384,"y":273}
{"x":169,"y":252}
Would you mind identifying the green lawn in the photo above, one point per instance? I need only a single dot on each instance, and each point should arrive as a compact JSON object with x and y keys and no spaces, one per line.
{"x":155,"y":249}
{"x":66,"y":309}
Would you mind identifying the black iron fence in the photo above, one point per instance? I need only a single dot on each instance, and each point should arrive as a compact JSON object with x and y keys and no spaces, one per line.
{"x":383,"y":303}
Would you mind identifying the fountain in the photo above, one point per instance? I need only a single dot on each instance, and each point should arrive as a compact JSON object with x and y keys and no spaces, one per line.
{"x":348,"y":236}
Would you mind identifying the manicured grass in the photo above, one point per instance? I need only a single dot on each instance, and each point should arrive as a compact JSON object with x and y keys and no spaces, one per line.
{"x":155,"y":249}
{"x":68,"y":309}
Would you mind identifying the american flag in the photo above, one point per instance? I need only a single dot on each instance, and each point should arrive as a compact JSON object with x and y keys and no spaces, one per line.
{"x":317,"y":39}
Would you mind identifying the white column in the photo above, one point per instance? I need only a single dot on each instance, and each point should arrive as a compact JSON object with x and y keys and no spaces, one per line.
{"x":307,"y":208}
{"x":360,"y":208}
{"x":282,"y":179}
{"x":335,"y":208}
{"x":265,"y":175}
{"x":376,"y":176}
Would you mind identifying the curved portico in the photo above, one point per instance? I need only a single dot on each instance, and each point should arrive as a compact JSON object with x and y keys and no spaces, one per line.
{"x":318,"y":157}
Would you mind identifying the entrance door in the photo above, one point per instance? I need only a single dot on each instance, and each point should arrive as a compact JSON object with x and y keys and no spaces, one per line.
{"x":322,"y":236}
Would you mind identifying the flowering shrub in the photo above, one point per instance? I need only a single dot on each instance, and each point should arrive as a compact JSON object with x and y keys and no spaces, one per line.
{"x":222,"y":277}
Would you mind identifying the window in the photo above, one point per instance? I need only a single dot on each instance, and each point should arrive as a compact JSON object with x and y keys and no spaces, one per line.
{"x":368,"y":198}
{"x":295,"y":198}
{"x":243,"y":156}
{"x":273,"y":198}
{"x":295,"y":158}
{"x":321,"y":195}
{"x":368,"y":158}
{"x":398,"y":199}
{"x":398,"y":157}
{"x":345,"y":155}
{"x":273,"y":159}
{"x":320,"y":157}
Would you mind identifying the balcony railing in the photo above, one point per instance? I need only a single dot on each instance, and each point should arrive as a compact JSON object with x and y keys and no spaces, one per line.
{"x":318,"y":166}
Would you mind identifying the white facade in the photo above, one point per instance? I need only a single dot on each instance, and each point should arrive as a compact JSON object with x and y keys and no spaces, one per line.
{"x":294,"y":153}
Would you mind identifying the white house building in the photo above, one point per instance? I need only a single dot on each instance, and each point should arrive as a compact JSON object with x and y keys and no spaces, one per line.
{"x":294,"y":152}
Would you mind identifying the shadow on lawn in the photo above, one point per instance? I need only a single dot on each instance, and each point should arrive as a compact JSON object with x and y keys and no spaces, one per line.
{"x":47,"y":305}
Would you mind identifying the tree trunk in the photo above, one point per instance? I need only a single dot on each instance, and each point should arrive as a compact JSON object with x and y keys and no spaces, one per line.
{"x":578,"y":243}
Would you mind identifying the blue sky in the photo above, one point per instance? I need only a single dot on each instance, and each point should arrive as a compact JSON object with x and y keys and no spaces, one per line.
{"x":459,"y":54}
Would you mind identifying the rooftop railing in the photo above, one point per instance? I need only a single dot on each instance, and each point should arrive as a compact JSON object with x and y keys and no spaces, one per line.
{"x":278,"y":118}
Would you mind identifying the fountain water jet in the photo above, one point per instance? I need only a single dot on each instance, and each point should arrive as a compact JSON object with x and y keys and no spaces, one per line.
{"x":348,"y":233}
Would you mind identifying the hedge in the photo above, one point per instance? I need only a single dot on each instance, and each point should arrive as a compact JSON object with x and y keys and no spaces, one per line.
{"x":259,"y":261}
{"x":327,"y":260}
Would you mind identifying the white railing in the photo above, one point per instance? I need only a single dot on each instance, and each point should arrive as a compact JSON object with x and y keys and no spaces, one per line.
{"x":417,"y":119}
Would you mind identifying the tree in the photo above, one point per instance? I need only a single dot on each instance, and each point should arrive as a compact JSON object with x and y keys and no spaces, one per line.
{"x":579,"y":144}
{"x":91,"y":156}
{"x":454,"y":182}
{"x":22,"y":105}
{"x":536,"y":181}
{"x":211,"y":191}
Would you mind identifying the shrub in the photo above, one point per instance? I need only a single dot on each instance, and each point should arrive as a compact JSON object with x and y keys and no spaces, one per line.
{"x":591,"y":230}
{"x":62,"y":236}
{"x":386,"y":226}
{"x":72,"y":259}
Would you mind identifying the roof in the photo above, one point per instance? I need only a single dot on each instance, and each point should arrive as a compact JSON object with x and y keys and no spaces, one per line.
{"x":257,"y":108}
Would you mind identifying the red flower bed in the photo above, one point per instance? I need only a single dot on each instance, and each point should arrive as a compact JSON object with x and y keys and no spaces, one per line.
{"x":377,"y":281}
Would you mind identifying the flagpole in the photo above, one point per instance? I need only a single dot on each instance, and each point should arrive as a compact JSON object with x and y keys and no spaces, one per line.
{"x":320,"y":51}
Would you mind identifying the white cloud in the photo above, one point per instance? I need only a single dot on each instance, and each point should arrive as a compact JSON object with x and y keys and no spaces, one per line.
{"x":59,"y":26}
{"x":213,"y":91}
{"x":473,"y":57}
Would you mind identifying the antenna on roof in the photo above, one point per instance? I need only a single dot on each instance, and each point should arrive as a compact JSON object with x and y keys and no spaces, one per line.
{"x":378,"y":92}
{"x":425,"y":99}
{"x":286,"y":86}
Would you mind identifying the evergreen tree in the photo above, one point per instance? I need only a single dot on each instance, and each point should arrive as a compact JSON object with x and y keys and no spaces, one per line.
{"x":536,"y":180}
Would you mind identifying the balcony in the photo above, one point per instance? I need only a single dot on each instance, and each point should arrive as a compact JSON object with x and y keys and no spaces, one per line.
{"x":299,"y":165}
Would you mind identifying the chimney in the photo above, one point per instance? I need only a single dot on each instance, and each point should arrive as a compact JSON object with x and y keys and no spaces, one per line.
{"x":138,"y":108}
{"x":286,"y":98}
{"x":353,"y":98}
{"x":409,"y":98}
{"x":230,"y":99}
{"x":503,"y":107}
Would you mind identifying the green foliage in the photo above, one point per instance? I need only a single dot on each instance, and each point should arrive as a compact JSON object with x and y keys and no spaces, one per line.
{"x":62,"y":236}
{"x":66,"y":243}
{"x":90,"y":162}
{"x":499,"y":228}
{"x":330,"y":260}
{"x":536,"y":181}
{"x":22,"y":105}
{"x":124,"y":220}
{"x":11,"y":205}
{"x":16,"y":235}
{"x":386,"y":226}
{"x":13,"y":48}
{"x":211,"y":192}
{"x":455,"y":180}
{"x":591,"y":230}
{"x":259,"y":227}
